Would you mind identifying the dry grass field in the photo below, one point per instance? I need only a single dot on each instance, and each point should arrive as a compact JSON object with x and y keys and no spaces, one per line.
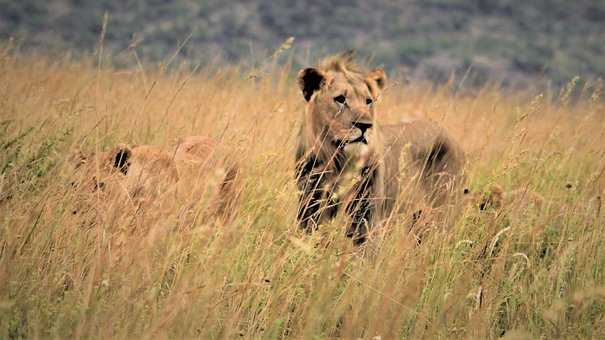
{"x":530,"y":268}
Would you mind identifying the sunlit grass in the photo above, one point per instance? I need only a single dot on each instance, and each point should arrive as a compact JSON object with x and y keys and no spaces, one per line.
{"x":107,"y":270}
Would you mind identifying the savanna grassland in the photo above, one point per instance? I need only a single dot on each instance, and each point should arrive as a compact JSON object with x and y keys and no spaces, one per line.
{"x":531,"y":267}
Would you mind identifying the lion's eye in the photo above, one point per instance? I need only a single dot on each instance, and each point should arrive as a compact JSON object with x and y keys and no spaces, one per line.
{"x":340,"y":99}
{"x":369,"y":101}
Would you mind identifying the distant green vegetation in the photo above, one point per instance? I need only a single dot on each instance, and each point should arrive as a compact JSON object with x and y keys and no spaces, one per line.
{"x":514,"y":42}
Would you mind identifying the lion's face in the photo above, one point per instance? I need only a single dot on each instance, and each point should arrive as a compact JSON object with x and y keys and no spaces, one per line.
{"x":341,"y":103}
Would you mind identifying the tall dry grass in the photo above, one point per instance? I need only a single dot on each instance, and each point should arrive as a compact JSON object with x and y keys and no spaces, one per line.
{"x":525,"y":270}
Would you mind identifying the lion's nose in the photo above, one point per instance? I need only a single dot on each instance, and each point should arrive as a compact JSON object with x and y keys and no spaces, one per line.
{"x":363,"y":126}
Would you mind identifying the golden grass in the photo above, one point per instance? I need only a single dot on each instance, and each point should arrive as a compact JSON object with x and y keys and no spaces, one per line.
{"x":523,"y":271}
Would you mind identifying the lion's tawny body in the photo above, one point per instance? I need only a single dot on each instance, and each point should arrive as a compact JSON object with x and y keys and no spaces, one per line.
{"x":346,"y":161}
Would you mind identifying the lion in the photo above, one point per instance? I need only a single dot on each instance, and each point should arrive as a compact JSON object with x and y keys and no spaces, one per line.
{"x":345,"y":158}
{"x":192,"y":168}
{"x":201,"y":160}
{"x":496,"y":198}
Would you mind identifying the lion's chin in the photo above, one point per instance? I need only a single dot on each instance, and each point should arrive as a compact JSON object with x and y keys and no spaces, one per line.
{"x":356,"y":150}
{"x":352,"y":138}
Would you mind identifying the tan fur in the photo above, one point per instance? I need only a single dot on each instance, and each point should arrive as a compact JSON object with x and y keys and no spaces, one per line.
{"x":203,"y":161}
{"x":337,"y":164}
{"x":496,"y":198}
{"x":193,"y":168}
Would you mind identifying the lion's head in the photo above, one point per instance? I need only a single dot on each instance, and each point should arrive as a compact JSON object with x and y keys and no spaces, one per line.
{"x":341,"y":98}
{"x":139,"y":171}
{"x":196,"y":172}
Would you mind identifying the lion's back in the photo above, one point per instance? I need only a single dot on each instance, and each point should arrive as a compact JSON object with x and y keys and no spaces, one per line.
{"x":419,"y":149}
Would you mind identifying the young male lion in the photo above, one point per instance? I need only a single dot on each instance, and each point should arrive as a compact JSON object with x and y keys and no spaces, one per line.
{"x":344,"y":158}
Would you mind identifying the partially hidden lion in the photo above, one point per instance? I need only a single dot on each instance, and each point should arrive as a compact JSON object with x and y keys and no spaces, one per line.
{"x":346,"y":159}
{"x":192,"y":169}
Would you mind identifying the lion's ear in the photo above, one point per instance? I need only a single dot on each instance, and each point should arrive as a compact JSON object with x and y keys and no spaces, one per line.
{"x":378,"y":76}
{"x":309,"y":81}
{"x":121,"y":158}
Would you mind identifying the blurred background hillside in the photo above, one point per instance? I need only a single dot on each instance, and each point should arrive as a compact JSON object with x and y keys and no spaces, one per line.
{"x":512,"y":42}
